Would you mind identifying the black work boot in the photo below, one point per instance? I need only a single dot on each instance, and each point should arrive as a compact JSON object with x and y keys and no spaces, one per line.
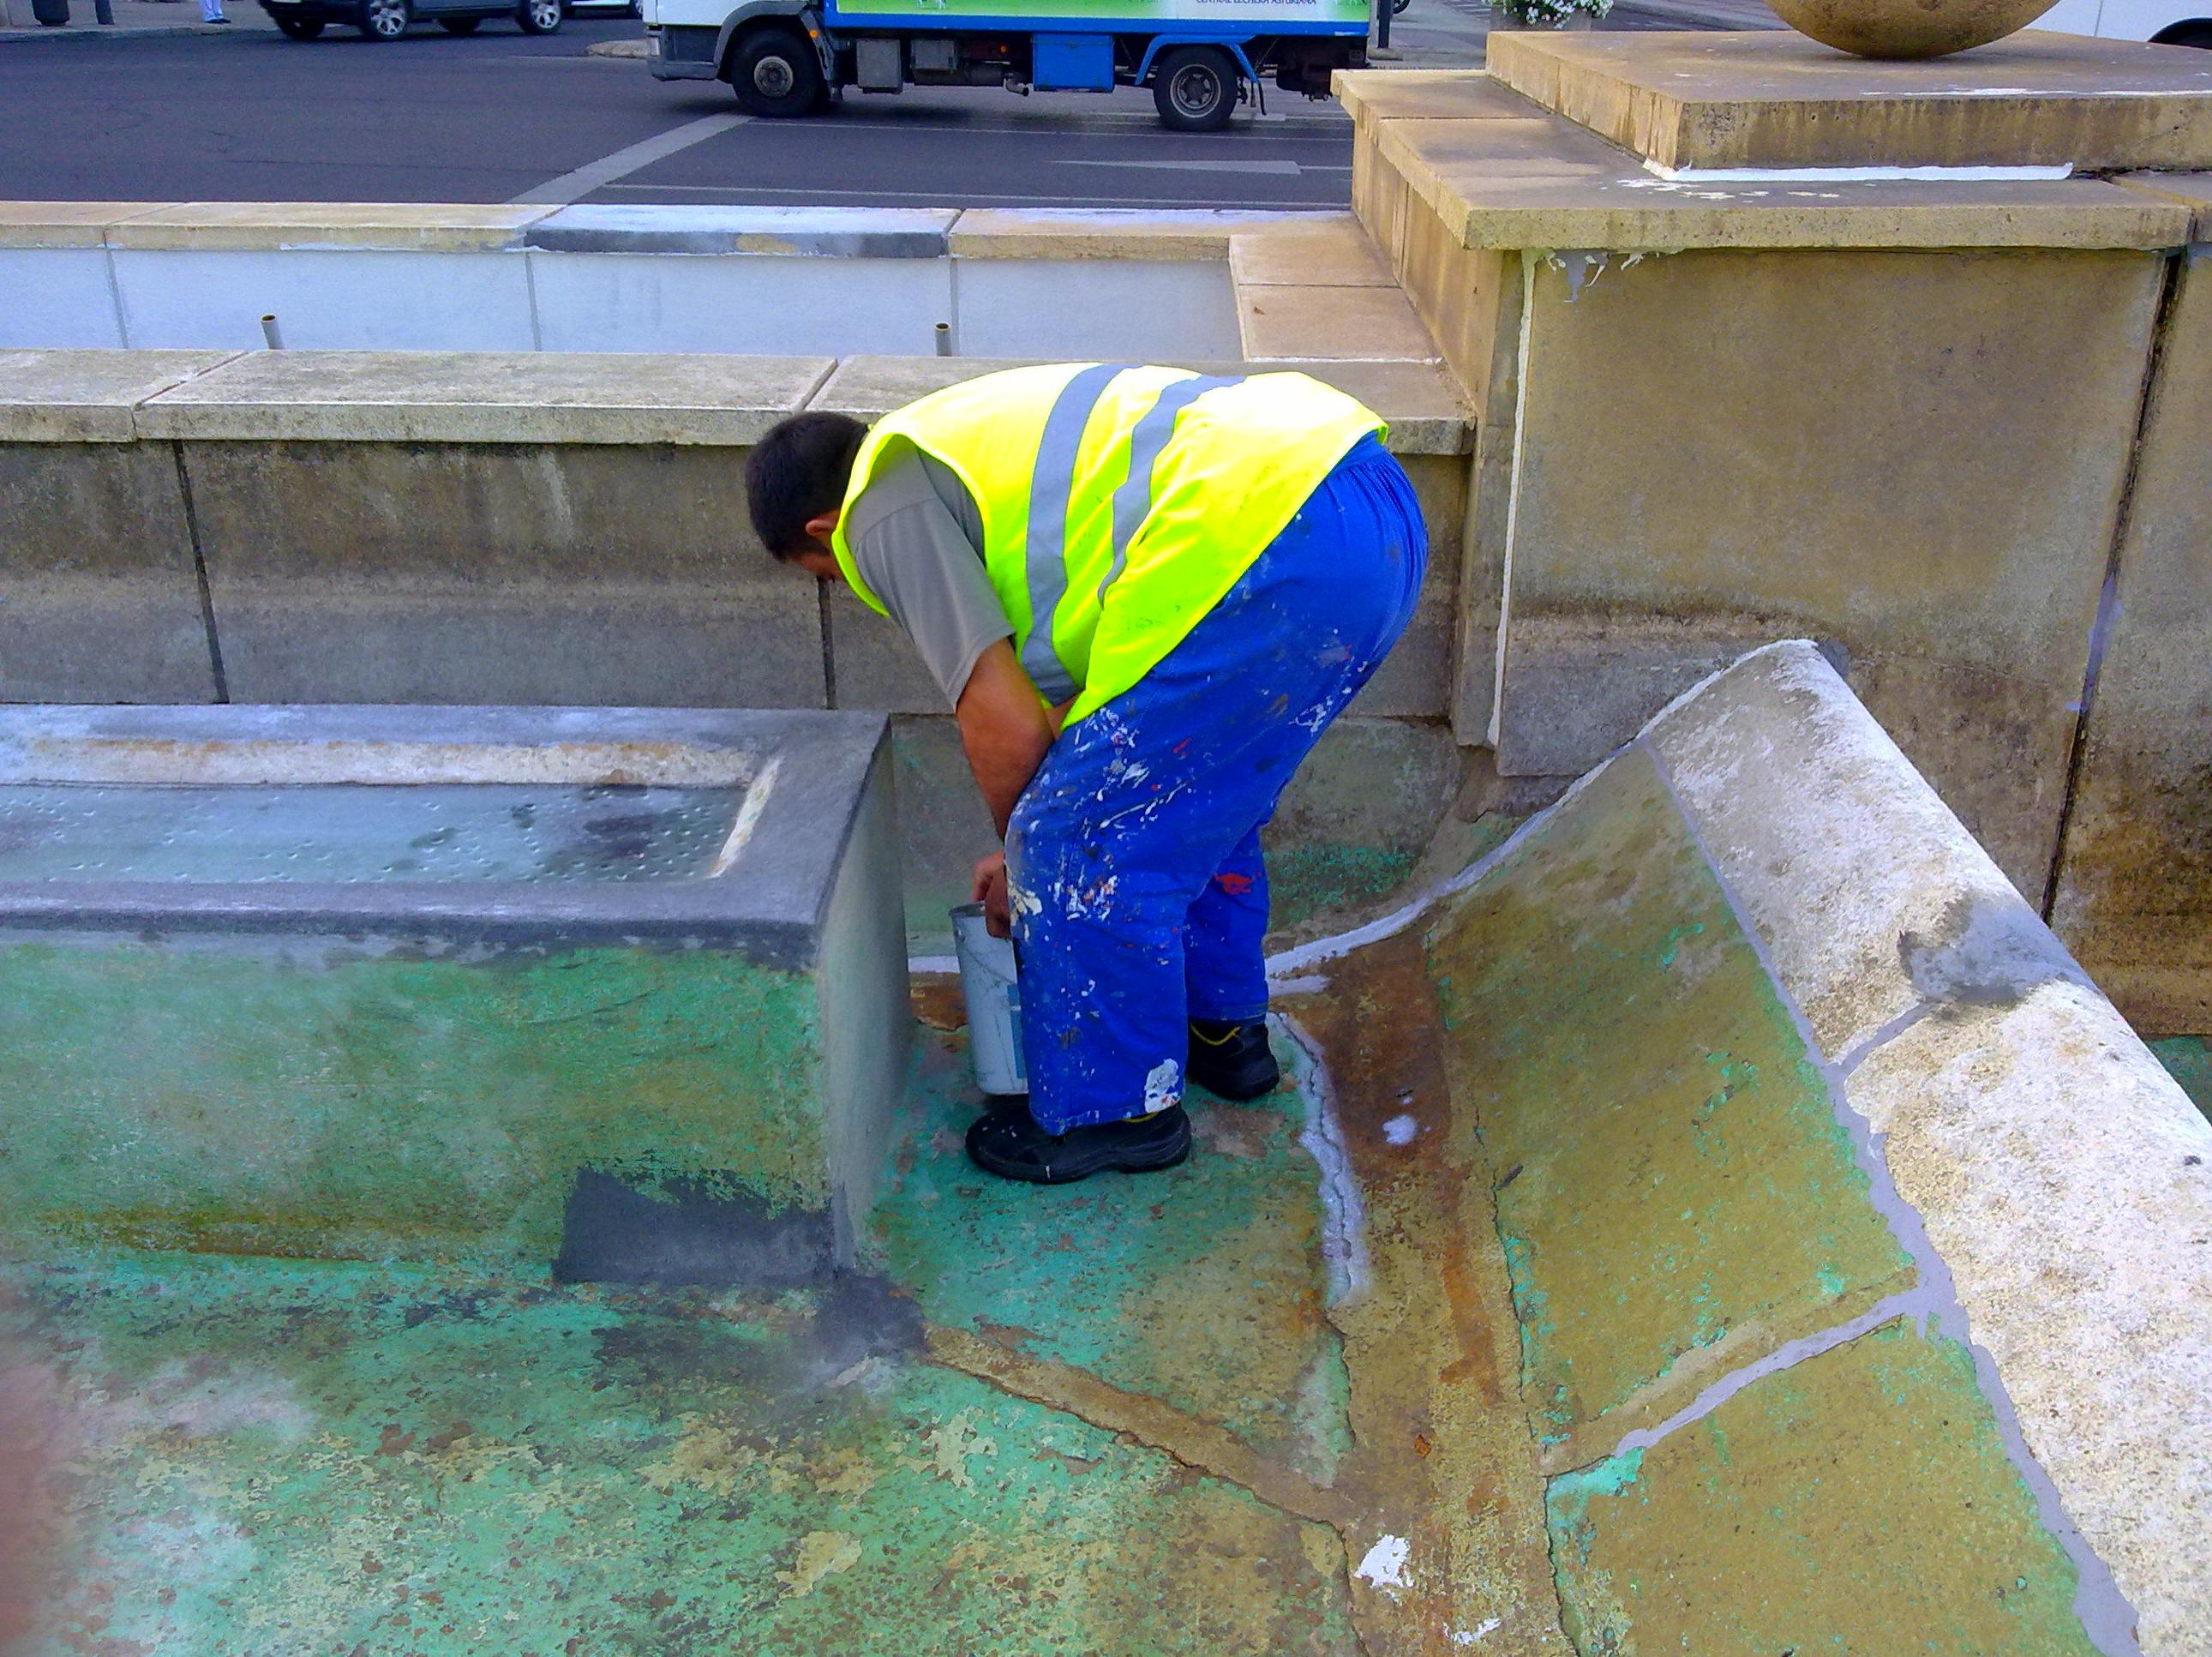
{"x":1232,"y":1061}
{"x":1010,"y":1144}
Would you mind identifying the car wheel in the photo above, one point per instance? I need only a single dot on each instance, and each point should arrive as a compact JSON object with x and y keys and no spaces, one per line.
{"x":1194,"y":89}
{"x":383,"y":20}
{"x":301,"y":28}
{"x":775,"y":73}
{"x":538,"y":16}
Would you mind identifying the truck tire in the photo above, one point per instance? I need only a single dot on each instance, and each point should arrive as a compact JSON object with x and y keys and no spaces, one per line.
{"x":775,"y":73}
{"x":538,"y":16}
{"x":383,"y":20}
{"x":1194,"y":89}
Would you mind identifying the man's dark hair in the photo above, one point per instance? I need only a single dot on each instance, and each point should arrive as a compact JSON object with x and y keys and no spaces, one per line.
{"x":798,"y":471}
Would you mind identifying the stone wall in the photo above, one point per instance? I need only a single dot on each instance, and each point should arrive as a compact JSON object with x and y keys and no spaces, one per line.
{"x":1937,"y":426}
{"x":480,"y":528}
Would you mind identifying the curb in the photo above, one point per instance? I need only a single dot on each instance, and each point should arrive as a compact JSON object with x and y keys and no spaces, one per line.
{"x":615,"y":49}
{"x":112,"y":31}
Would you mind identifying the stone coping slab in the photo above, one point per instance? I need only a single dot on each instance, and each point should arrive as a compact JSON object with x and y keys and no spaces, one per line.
{"x":487,"y":397}
{"x":1317,"y":324}
{"x":1450,"y":94}
{"x":64,"y":224}
{"x":1332,"y":253}
{"x":1418,"y":398}
{"x":1779,"y":99}
{"x":2192,"y":190}
{"x":1548,"y":183}
{"x":816,"y":232}
{"x":236,"y":226}
{"x":89,"y":396}
{"x":802,"y":773}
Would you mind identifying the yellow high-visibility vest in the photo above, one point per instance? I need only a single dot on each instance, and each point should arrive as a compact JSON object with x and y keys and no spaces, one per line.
{"x":1118,"y":504}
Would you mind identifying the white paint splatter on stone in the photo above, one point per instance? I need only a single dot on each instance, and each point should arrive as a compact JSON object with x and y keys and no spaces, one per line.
{"x":1385,"y":1563}
{"x":1400,"y":1130}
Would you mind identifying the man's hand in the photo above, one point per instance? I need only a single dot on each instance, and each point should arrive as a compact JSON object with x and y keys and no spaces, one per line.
{"x":991,"y":892}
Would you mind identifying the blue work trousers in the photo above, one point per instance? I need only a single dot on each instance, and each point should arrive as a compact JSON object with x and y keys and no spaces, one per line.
{"x":1140,"y":893}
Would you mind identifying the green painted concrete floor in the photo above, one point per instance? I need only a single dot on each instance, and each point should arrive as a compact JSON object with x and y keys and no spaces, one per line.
{"x":272,"y":1457}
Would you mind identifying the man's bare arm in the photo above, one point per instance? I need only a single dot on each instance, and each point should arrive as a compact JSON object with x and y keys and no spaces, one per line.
{"x":1005,"y":728}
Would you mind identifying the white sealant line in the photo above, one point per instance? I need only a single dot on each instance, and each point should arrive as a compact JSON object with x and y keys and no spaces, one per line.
{"x":1344,"y":1217}
{"x":631,"y":158}
{"x":2104,"y":1610}
{"x":1286,"y":968}
{"x":1513,"y":494}
{"x":1859,"y":174}
{"x":748,"y":816}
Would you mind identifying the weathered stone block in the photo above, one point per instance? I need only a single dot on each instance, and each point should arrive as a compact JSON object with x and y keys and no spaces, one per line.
{"x":497,"y":573}
{"x":1682,"y":496}
{"x":1675,"y":1194}
{"x":1864,"y":1490}
{"x":1870,"y":897}
{"x":2066,"y":1180}
{"x":2134,"y":897}
{"x":99,"y":601}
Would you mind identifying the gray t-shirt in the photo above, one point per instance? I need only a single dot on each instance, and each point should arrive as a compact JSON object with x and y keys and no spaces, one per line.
{"x":917,"y":541}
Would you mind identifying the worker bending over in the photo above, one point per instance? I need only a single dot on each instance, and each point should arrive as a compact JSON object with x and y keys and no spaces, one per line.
{"x":1146,"y":593}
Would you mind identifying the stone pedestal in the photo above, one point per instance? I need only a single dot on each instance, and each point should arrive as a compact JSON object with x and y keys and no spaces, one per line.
{"x":1767,"y":341}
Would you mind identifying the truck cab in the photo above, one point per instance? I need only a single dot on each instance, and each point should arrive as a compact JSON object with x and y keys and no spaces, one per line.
{"x":1200,"y":58}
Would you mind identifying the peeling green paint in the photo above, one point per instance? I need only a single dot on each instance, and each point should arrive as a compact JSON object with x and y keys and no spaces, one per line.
{"x":318,"y":1098}
{"x":1672,"y":1180}
{"x":285,"y":1457}
{"x":1864,"y":1492}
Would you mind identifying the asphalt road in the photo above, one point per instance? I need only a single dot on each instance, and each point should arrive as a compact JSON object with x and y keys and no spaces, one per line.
{"x":500,"y":116}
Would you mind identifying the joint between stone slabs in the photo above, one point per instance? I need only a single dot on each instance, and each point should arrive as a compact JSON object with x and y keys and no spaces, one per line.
{"x":2105,"y":1612}
{"x":2169,"y":295}
{"x":1199,"y":1445}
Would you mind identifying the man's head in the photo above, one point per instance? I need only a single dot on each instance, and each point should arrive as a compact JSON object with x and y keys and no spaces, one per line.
{"x":795,"y":482}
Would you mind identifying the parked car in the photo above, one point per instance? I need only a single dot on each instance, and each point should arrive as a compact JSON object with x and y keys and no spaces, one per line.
{"x":2169,"y":23}
{"x":387,"y":20}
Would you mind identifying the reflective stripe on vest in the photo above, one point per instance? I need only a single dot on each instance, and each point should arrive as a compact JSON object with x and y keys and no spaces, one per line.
{"x":1051,"y":483}
{"x":1133,"y":481}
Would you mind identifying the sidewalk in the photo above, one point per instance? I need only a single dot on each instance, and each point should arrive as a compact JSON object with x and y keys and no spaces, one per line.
{"x":137,"y":18}
{"x":1455,"y":33}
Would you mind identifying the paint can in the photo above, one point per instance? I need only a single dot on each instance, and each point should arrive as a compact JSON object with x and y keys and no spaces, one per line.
{"x":993,"y":990}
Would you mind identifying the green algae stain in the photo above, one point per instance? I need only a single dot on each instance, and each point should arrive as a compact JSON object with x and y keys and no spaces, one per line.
{"x":281,"y":1457}
{"x":1677,"y":1169}
{"x":304,"y":1099}
{"x":2188,"y":1060}
{"x":1864,"y":1489}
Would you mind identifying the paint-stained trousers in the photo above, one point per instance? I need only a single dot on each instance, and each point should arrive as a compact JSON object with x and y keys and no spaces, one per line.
{"x":1139,"y":892}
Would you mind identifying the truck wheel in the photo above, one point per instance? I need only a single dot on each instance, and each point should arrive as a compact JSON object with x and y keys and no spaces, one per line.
{"x":1194,"y":89}
{"x":301,"y":28}
{"x":383,"y":20}
{"x":774,"y":72}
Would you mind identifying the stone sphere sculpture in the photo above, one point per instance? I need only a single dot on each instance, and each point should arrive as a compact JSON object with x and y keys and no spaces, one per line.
{"x":1907,"y":28}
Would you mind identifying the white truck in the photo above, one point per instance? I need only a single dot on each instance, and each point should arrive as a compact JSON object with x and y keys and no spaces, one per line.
{"x":1200,"y":58}
{"x":2169,"y":23}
